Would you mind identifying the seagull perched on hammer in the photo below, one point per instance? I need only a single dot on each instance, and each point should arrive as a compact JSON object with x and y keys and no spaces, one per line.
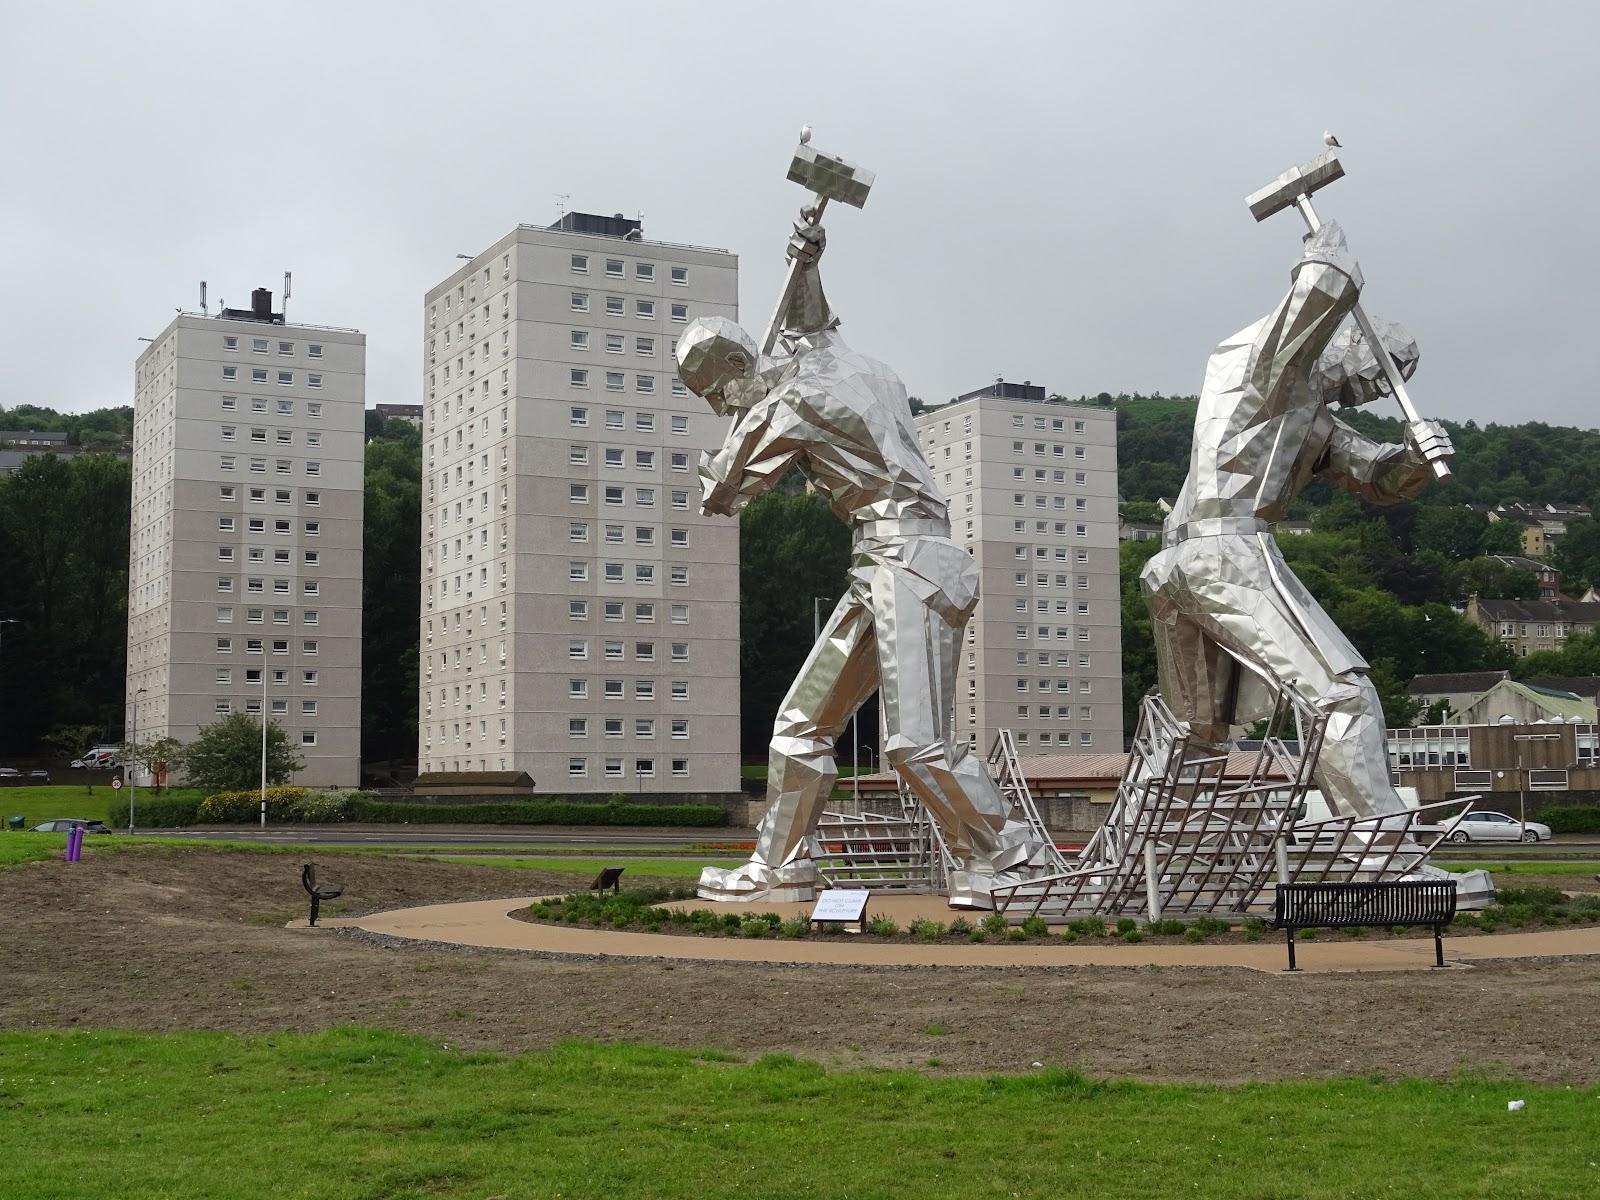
{"x":1331,"y":142}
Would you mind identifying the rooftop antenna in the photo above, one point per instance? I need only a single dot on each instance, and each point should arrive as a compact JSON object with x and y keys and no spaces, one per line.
{"x":203,"y":307}
{"x":287,"y":278}
{"x":561,"y":204}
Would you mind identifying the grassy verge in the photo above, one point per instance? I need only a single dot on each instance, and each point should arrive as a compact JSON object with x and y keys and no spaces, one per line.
{"x":48,"y":802}
{"x":661,"y":868}
{"x":1534,"y":867}
{"x":364,"y":1114}
{"x":19,"y":848}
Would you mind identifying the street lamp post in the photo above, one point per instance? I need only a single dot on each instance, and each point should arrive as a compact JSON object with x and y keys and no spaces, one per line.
{"x":1522,"y":774}
{"x":133,"y":759}
{"x":263,"y":745}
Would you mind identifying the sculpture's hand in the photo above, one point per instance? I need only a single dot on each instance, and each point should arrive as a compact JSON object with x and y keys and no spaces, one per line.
{"x":809,"y":240}
{"x":1427,"y":440}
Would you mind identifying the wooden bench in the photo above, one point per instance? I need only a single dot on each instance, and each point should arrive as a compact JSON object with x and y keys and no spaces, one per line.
{"x":317,"y":892}
{"x":1347,"y":905}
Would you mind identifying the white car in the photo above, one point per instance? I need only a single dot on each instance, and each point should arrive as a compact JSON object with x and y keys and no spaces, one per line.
{"x":1497,"y":827}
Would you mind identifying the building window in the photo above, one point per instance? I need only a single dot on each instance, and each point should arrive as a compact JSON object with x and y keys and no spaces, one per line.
{"x":579,"y":340}
{"x":578,"y":377}
{"x":580,"y":302}
{"x":614,"y":268}
{"x":680,"y":276}
{"x":680,"y":312}
{"x":615,"y":306}
{"x":580,"y":264}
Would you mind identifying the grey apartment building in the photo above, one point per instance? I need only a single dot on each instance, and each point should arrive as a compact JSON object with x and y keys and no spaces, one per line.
{"x":244,"y":563}
{"x":580,"y":618}
{"x":1032,"y":487}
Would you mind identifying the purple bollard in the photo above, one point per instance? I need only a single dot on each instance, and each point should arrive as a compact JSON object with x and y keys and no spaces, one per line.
{"x":75,"y":843}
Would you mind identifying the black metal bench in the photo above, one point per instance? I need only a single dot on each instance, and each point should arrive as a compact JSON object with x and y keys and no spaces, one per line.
{"x":609,"y":879}
{"x":1345,"y":905}
{"x":318,"y":893}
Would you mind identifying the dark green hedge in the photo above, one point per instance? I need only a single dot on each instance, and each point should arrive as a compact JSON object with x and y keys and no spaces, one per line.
{"x":153,"y":812}
{"x":535,"y":812}
{"x":1572,"y":820}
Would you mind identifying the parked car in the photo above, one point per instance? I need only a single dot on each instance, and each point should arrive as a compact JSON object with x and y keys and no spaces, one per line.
{"x":65,"y":824}
{"x":39,"y":775}
{"x":1497,"y":827}
{"x":10,"y":773}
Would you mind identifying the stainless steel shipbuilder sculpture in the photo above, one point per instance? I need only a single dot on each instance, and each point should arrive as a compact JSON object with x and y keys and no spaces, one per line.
{"x":806,"y":401}
{"x":1232,"y":623}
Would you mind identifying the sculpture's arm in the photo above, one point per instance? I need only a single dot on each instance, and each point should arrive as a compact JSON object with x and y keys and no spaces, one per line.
{"x":1327,"y":284}
{"x":758,"y":451}
{"x":1382,"y":472}
{"x":808,"y":310}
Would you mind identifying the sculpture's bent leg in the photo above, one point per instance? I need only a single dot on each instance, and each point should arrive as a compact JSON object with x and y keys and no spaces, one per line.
{"x":917,"y":658}
{"x":837,"y":677}
{"x":1228,"y":599}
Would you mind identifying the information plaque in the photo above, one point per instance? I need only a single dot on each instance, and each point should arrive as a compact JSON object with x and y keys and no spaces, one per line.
{"x":841,"y":905}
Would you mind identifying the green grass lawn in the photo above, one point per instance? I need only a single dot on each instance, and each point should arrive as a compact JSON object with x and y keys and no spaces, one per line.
{"x":363,"y":1115}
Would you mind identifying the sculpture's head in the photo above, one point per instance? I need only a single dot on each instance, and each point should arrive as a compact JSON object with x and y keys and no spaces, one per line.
{"x":1349,"y":371}
{"x":717,"y":360}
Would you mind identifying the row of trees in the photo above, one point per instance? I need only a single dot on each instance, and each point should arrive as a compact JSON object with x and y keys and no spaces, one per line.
{"x":1387,"y":576}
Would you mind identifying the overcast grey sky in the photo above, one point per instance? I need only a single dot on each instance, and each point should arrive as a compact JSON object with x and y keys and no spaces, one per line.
{"x":1059,"y":198}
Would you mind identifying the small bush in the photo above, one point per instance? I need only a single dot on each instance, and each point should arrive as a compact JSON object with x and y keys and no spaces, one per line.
{"x":1088,"y":926}
{"x":1069,"y":937}
{"x":1533,"y":897}
{"x":1193,"y":935}
{"x":994,"y":925}
{"x":1355,"y":931}
{"x":1169,"y":927}
{"x":1209,"y":925}
{"x":977,"y":935}
{"x":1307,"y":935}
{"x":233,"y":807}
{"x":1126,"y":925}
{"x":1254,"y":925}
{"x":1034,"y":927}
{"x":754,"y":927}
{"x":795,"y":927}
{"x":960,"y":927}
{"x":1016,"y":934}
{"x":731,"y":922}
{"x":883,"y":926}
{"x":927,"y":931}
{"x":153,"y":812}
{"x":1131,"y":935}
{"x":771,"y":918}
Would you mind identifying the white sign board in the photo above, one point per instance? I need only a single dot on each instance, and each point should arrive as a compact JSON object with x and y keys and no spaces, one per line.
{"x":840,"y":904}
{"x":116,"y":785}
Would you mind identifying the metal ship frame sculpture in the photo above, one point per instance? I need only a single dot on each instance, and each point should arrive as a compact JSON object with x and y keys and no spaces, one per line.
{"x":1238,"y":637}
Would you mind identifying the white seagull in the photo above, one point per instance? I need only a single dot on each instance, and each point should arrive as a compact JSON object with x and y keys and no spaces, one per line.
{"x":805,"y":134}
{"x":1330,"y":141}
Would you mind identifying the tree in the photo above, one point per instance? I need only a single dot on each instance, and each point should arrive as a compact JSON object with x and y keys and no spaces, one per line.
{"x":1399,"y":708}
{"x":1502,"y":537}
{"x":1138,"y":640}
{"x":792,"y":549}
{"x":225,"y":756}
{"x":391,"y":582}
{"x":162,"y":754}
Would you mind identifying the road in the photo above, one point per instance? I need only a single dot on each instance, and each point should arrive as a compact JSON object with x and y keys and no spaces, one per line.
{"x":519,"y":837}
{"x":473,"y":837}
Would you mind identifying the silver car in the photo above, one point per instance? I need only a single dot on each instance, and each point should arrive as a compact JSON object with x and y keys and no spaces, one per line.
{"x":1497,"y":827}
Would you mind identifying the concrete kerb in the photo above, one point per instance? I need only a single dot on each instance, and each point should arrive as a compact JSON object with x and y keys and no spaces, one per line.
{"x":488,"y":924}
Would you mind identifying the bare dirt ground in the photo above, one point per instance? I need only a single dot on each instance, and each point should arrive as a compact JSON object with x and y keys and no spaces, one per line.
{"x":193,"y":939}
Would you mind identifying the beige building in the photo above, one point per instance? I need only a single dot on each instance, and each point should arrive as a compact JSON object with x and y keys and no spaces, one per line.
{"x":1530,"y":626}
{"x":580,"y":618}
{"x":1032,"y":487}
{"x":244,"y":571}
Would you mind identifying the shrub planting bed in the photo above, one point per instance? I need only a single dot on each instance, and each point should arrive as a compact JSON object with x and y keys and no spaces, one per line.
{"x":640,"y":910}
{"x":313,"y":806}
